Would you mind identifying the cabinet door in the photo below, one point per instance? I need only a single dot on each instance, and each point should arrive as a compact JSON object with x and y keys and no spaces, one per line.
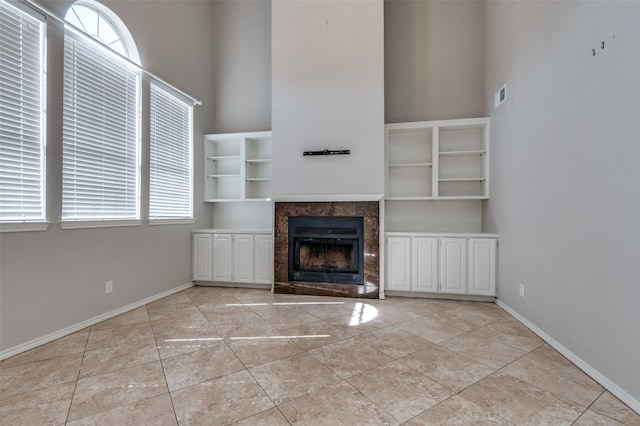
{"x":263,"y":265}
{"x":453,"y":265}
{"x":243,"y":258}
{"x":201,"y":257}
{"x":398,"y":263}
{"x":482,"y":266}
{"x":424,"y":261}
{"x":222,"y":257}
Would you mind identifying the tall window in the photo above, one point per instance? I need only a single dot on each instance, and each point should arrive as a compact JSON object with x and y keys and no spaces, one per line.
{"x":22,"y":114}
{"x":171,"y":175}
{"x":101,"y":118}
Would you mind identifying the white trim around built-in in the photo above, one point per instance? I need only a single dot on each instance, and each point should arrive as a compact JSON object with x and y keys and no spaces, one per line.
{"x":621,"y":394}
{"x":84,"y":324}
{"x":326,"y":198}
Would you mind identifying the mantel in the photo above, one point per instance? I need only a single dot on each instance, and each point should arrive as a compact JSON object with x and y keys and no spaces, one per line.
{"x":327,"y":198}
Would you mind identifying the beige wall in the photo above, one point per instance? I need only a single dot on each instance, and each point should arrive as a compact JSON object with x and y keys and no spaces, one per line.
{"x":565,"y":177}
{"x":433,"y":60}
{"x":328,"y":93}
{"x":241,"y":72}
{"x":55,"y":279}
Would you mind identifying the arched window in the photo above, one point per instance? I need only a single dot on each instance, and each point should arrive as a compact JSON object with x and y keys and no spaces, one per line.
{"x":101,"y":120}
{"x":105,"y":26}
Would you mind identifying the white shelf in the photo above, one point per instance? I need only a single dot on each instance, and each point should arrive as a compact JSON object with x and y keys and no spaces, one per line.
{"x":462,"y":153}
{"x":409,"y":198}
{"x":237,"y":166}
{"x":436,"y":172}
{"x":463,"y":180}
{"x":466,"y":197}
{"x":223,"y":157}
{"x":432,"y":160}
{"x":411,"y":165}
{"x":222,"y":176}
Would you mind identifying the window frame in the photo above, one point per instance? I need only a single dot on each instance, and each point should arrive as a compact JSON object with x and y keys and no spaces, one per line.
{"x":130,"y":213}
{"x":180,"y":107}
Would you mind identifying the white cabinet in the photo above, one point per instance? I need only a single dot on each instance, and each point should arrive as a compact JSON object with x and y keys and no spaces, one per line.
{"x":233,"y":258}
{"x":263,"y":259}
{"x":399,"y":263}
{"x":237,"y":166}
{"x":453,"y":265}
{"x":424,"y":264}
{"x":201,"y":257}
{"x":447,"y":159}
{"x":441,"y":264}
{"x":482,"y":266}
{"x":222,"y":252}
{"x":412,"y":264}
{"x":243,"y":258}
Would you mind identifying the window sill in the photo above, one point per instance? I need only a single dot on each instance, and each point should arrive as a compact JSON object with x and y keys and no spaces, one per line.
{"x":83,"y":224}
{"x":24,"y":226}
{"x":171,"y":221}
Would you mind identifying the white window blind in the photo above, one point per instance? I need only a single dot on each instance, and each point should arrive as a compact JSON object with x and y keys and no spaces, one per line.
{"x":101,"y":134}
{"x":22,"y":115}
{"x":171,"y":174}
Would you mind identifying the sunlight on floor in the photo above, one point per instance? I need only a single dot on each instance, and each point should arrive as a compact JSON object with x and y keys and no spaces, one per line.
{"x":362,"y":313}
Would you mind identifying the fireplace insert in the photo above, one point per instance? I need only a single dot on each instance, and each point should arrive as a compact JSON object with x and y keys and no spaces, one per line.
{"x":327,"y":249}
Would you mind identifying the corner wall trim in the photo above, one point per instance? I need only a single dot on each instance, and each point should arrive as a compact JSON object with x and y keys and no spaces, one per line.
{"x":92,"y":321}
{"x":605,"y":382}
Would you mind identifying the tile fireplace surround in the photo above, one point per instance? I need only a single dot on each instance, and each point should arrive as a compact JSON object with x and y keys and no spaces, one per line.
{"x":368,"y":210}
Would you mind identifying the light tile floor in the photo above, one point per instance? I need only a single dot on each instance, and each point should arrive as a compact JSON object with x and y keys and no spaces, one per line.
{"x":216,"y":356}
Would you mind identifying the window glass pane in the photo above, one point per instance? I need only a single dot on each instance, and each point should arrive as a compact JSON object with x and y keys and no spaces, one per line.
{"x":118,"y":46}
{"x":100,"y":23}
{"x":72,"y":18}
{"x":88,"y":19}
{"x":106,"y":33}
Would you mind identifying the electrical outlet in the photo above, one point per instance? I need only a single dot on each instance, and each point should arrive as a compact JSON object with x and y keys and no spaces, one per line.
{"x":521,"y":290}
{"x":109,"y":287}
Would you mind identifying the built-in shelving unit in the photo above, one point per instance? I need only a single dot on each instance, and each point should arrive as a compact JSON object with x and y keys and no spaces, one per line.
{"x":437,"y":174}
{"x":429,"y":160}
{"x":463,"y":159}
{"x":237,"y":166}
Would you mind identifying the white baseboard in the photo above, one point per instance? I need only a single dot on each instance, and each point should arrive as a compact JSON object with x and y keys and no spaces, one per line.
{"x":621,"y":394}
{"x":84,"y":324}
{"x":447,"y":296}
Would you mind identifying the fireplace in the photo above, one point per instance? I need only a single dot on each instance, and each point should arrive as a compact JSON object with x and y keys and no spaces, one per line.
{"x":337,"y":253}
{"x":326,"y":249}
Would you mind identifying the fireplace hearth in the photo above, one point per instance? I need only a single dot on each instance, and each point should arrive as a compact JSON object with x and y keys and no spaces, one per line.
{"x":327,"y":248}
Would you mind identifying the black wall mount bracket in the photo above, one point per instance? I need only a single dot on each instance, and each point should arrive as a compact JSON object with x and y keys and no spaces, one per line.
{"x":328,"y":152}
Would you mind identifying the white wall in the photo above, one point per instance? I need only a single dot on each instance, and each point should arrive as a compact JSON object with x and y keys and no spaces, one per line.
{"x":565,"y":175}
{"x":327,"y":93}
{"x":55,"y":279}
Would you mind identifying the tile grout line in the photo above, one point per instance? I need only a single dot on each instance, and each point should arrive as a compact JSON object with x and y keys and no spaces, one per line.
{"x":75,"y":385}
{"x":244,"y":366}
{"x":164,"y":374}
{"x":589,"y":408}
